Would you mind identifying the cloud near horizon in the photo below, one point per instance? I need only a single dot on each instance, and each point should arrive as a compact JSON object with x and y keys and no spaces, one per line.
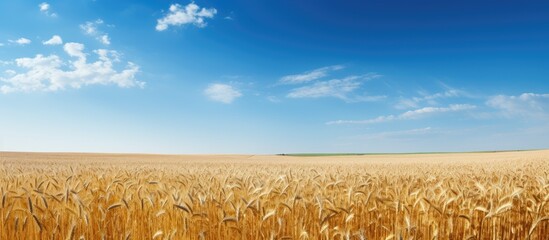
{"x":397,"y":134}
{"x":181,"y":15}
{"x":408,"y":115}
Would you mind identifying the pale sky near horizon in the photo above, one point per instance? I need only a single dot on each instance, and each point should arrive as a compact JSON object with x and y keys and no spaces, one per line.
{"x":273,"y":76}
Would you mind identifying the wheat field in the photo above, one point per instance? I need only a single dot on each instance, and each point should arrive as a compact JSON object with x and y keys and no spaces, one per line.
{"x":501,"y":195}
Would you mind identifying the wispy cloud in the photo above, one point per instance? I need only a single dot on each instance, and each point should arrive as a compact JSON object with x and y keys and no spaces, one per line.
{"x":230,"y":16}
{"x":366,"y":98}
{"x":332,"y":88}
{"x":310,"y":75}
{"x":418,"y":113}
{"x":531,"y":105}
{"x":45,"y":8}
{"x":273,"y":99}
{"x":425,"y":98}
{"x":412,"y":114}
{"x":398,"y":134}
{"x":337,"y":88}
{"x":46,"y":73}
{"x":10,"y":72}
{"x":91,"y":28}
{"x":190,"y":14}
{"x":21,"y":41}
{"x":223,"y":93}
{"x":55,"y":40}
{"x":379,"y":119}
{"x":105,"y":39}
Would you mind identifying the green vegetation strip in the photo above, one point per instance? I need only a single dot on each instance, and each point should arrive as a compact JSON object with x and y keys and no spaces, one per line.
{"x":361,"y":154}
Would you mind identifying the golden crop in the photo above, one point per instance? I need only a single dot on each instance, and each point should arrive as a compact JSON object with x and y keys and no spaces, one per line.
{"x":430,"y":196}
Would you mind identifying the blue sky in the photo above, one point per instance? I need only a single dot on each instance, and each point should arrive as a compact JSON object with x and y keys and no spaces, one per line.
{"x":273,"y":76}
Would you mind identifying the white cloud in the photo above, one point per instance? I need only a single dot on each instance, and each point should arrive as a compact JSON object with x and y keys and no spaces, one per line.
{"x":431,"y":99}
{"x":446,"y":94}
{"x":91,"y":28}
{"x":531,"y":105}
{"x":310,"y":75}
{"x":190,"y":14}
{"x":55,"y":40}
{"x":45,"y":8}
{"x":75,"y":50}
{"x":21,"y":41}
{"x":405,"y":103}
{"x":105,"y":39}
{"x":418,"y":113}
{"x":222,"y":93}
{"x":338,"y":88}
{"x":412,"y":114}
{"x":1,"y":44}
{"x":46,"y":73}
{"x":332,"y":88}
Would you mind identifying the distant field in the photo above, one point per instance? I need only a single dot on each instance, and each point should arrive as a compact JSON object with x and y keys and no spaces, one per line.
{"x":490,"y":195}
{"x":362,"y":154}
